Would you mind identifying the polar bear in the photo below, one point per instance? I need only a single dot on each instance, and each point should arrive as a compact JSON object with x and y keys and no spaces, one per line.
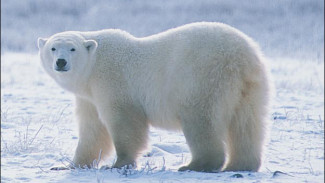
{"x":206,"y":79}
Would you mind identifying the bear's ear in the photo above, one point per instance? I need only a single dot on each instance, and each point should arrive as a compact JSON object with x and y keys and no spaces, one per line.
{"x":91,"y":45}
{"x":41,"y":42}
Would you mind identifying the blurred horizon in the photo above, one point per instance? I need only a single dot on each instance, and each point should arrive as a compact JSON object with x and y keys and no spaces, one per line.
{"x":290,"y":28}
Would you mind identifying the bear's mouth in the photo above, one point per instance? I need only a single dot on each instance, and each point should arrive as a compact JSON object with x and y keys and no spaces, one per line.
{"x":61,"y":69}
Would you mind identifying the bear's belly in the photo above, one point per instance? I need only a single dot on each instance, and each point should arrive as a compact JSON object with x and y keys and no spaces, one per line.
{"x":162,"y":112}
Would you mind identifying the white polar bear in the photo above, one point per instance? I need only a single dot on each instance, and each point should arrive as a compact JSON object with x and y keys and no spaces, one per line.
{"x":207,"y":79}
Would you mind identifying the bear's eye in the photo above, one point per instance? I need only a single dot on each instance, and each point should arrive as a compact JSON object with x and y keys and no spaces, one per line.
{"x":53,"y":49}
{"x":72,"y":49}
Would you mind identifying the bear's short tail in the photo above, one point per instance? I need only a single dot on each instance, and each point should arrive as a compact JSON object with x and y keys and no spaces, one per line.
{"x":247,"y":121}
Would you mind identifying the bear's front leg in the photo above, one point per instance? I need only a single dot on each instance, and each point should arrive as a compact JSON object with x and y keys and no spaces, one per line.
{"x":128,"y":127}
{"x":94,"y":138}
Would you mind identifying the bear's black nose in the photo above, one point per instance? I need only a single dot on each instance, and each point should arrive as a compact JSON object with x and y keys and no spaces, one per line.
{"x":61,"y":63}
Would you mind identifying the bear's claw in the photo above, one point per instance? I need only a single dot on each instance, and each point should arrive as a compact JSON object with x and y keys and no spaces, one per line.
{"x":61,"y":168}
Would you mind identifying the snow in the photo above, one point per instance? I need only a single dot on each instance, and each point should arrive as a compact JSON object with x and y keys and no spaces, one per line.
{"x":37,"y":128}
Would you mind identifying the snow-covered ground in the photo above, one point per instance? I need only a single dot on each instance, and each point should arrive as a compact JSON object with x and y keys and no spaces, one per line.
{"x":37,"y":128}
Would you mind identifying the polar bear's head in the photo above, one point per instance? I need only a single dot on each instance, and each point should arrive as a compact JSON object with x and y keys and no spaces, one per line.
{"x":66,"y":57}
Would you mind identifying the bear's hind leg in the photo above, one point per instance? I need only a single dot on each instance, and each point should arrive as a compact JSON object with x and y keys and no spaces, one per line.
{"x":205,"y":143}
{"x":245,"y":140}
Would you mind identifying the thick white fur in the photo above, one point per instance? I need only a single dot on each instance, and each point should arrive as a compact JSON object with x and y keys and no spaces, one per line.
{"x":207,"y":79}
